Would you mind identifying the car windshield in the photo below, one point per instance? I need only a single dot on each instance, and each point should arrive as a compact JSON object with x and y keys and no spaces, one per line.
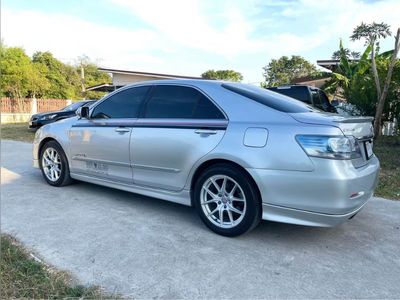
{"x":73,"y":106}
{"x":76,"y":105}
{"x":269,"y":98}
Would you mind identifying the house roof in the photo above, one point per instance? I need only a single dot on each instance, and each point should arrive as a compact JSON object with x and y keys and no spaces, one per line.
{"x":310,"y":81}
{"x":147,"y":74}
{"x":330,"y":63}
{"x":103,"y":87}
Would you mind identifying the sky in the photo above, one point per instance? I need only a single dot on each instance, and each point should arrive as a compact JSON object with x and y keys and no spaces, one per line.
{"x":188,"y":37}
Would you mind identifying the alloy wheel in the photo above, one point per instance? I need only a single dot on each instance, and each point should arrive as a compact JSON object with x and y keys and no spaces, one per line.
{"x":51,"y":164}
{"x":223,"y":201}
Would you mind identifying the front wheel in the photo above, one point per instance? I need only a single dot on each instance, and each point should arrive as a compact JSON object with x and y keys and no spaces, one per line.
{"x":227,"y":200}
{"x":54,"y":165}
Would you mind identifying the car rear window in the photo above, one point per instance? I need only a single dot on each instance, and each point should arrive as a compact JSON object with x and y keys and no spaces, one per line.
{"x":268,"y":98}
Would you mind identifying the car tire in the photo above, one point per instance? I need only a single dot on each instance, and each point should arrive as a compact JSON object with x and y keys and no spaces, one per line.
{"x":228,"y":189}
{"x":54,"y":164}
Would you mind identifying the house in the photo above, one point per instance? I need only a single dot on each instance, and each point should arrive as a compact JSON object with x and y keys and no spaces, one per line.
{"x":123,"y":77}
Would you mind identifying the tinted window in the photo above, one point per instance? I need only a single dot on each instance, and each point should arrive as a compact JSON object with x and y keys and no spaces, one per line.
{"x":268,"y":98}
{"x":181,"y":103}
{"x":73,"y":106}
{"x":316,"y":98}
{"x":206,"y":110}
{"x":124,"y":104}
{"x":299,"y":93}
{"x":324,"y":98}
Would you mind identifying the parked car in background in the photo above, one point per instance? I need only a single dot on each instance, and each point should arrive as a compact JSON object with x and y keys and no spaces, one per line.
{"x":38,"y":120}
{"x":307,"y":94}
{"x":236,"y":152}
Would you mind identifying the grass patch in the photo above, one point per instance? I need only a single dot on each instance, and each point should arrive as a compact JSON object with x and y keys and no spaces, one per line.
{"x":17,"y":132}
{"x":23,"y":277}
{"x":387,"y":148}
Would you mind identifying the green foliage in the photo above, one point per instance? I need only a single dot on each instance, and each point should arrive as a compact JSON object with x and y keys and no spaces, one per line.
{"x":349,"y":54}
{"x":58,"y":74}
{"x":93,"y":77}
{"x":283,"y":70}
{"x":228,"y":75}
{"x":371,"y":32}
{"x":44,"y":76}
{"x":354,"y":80}
{"x":21,"y":277}
{"x":20,"y":78}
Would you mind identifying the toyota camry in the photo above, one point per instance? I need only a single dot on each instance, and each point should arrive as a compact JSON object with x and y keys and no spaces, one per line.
{"x":236,"y":152}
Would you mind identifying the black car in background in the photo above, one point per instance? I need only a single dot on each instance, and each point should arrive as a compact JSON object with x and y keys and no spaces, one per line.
{"x":307,"y":94}
{"x":41,"y":119}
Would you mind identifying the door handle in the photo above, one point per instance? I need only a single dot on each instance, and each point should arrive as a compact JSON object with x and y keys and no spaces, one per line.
{"x":122,"y":130}
{"x":205,"y":131}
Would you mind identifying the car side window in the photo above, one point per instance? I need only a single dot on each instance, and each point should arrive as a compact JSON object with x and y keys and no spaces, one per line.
{"x":180,"y":102}
{"x":324,"y":99}
{"x":316,"y":98}
{"x":124,"y":104}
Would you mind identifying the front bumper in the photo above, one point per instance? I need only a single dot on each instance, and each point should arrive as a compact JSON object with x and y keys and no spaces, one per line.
{"x":327,"y":196}
{"x":36,"y":163}
{"x":35,"y":124}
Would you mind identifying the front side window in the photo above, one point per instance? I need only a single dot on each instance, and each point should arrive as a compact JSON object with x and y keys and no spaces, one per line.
{"x":180,"y":102}
{"x":124,"y":104}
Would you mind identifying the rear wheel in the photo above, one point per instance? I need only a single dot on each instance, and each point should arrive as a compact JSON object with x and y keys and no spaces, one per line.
{"x":54,"y":164}
{"x":227,"y":200}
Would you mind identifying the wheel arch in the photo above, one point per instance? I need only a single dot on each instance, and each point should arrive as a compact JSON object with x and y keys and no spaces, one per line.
{"x":203,"y":166}
{"x":49,"y":139}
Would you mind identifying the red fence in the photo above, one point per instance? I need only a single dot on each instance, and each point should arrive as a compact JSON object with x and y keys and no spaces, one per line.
{"x":44,"y":105}
{"x":13,"y":106}
{"x":27,"y":106}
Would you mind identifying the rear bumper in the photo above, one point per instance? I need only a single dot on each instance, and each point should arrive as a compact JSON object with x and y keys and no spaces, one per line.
{"x":302,"y":217}
{"x":327,"y":196}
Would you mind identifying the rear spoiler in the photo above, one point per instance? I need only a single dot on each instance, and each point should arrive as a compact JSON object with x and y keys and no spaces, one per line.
{"x":355,"y":120}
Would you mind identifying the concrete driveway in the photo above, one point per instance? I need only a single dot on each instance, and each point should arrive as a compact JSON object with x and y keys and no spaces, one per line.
{"x":143,"y":247}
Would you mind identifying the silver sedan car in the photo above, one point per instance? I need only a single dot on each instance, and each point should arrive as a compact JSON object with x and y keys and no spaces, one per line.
{"x":237,"y":153}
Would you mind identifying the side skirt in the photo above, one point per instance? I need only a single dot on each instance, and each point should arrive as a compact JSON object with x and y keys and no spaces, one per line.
{"x":181,"y":197}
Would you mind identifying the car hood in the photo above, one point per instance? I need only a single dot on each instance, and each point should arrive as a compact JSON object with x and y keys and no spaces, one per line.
{"x":359,"y":127}
{"x":59,"y":113}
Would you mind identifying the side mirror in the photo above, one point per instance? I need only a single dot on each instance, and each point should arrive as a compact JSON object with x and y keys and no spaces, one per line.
{"x":83,"y":112}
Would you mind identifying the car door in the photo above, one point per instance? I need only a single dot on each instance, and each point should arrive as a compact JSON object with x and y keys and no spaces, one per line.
{"x":100,"y":144}
{"x":177,"y":127}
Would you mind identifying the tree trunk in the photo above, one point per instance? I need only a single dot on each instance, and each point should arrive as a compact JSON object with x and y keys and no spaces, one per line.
{"x":375,"y":71}
{"x":382,"y":98}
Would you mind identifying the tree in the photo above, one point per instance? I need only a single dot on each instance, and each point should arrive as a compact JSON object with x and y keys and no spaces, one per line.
{"x":20,"y":78}
{"x":284,"y":70}
{"x":349,"y":54}
{"x":355,"y":82}
{"x":89,"y":75}
{"x":228,"y":75}
{"x":62,"y":77}
{"x":382,"y":98}
{"x":372,"y":33}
